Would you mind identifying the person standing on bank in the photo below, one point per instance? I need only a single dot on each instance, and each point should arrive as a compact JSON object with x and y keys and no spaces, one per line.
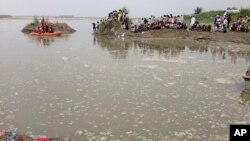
{"x":94,"y":27}
{"x":229,"y":19}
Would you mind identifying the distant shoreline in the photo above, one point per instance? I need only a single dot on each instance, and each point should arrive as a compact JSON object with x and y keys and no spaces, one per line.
{"x":5,"y":16}
{"x":50,"y":17}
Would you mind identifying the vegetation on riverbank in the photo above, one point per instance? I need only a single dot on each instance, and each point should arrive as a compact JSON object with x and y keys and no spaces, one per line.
{"x":109,"y":26}
{"x":62,"y":27}
{"x":115,"y":21}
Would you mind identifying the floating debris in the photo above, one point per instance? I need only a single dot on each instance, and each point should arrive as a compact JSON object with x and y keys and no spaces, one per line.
{"x":79,"y":132}
{"x":14,"y":136}
{"x":65,"y":58}
{"x":149,"y":66}
{"x":225,"y":81}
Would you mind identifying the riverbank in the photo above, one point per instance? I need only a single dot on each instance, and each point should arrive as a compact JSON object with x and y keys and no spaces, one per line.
{"x":202,"y":30}
{"x":231,"y":37}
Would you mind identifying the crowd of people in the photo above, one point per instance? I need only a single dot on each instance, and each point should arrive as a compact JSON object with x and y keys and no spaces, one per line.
{"x":96,"y":26}
{"x":240,"y":24}
{"x":196,"y":26}
{"x":45,"y":27}
{"x":121,"y":16}
{"x":153,"y":23}
{"x":116,"y":15}
{"x":221,"y":23}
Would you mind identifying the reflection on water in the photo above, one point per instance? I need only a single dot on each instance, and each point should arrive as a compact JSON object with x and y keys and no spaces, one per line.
{"x":79,"y":87}
{"x":46,"y":41}
{"x":118,"y":48}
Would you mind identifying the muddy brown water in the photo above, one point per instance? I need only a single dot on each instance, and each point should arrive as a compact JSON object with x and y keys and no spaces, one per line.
{"x":99,"y":88}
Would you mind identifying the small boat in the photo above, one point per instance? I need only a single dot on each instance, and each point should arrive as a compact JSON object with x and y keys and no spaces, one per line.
{"x":247,"y":78}
{"x":57,"y":33}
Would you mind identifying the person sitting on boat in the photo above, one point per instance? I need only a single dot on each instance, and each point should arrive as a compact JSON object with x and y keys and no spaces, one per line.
{"x":39,"y":29}
{"x":42,"y":28}
{"x":50,"y":28}
{"x":46,"y":28}
{"x":43,"y":25}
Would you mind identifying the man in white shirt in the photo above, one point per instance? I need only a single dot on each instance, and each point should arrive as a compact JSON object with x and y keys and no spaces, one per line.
{"x":181,"y":19}
{"x":192,"y":21}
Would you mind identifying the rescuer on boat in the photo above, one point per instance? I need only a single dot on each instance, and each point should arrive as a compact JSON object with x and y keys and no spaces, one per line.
{"x":45,"y":27}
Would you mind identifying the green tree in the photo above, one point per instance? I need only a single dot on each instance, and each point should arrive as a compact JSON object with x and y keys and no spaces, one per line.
{"x":198,"y":10}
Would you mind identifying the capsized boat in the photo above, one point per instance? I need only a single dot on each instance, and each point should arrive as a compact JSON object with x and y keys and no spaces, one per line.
{"x":247,"y":75}
{"x":57,"y":33}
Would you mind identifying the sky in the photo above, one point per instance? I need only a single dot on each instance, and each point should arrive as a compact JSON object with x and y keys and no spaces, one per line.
{"x":100,"y":8}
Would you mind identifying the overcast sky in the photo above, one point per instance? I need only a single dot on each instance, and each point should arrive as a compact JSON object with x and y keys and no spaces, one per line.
{"x":100,"y":8}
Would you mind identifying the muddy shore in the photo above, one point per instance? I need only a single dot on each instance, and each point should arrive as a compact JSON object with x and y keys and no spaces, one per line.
{"x":231,"y":37}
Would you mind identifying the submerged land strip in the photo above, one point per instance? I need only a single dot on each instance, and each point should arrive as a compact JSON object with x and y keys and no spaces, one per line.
{"x":62,"y":27}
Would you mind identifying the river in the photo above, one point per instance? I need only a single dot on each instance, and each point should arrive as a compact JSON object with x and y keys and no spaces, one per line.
{"x":105,"y":88}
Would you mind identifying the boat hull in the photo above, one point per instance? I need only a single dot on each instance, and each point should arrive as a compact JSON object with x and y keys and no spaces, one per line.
{"x":247,"y":78}
{"x":46,"y":34}
{"x":247,"y":82}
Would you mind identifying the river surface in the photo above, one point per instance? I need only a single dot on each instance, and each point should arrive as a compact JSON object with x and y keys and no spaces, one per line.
{"x":99,"y":88}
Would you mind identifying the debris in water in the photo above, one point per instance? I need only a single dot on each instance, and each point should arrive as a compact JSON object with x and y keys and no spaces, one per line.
{"x":14,"y":136}
{"x":225,"y":81}
{"x":65,"y":58}
{"x":78,"y":132}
